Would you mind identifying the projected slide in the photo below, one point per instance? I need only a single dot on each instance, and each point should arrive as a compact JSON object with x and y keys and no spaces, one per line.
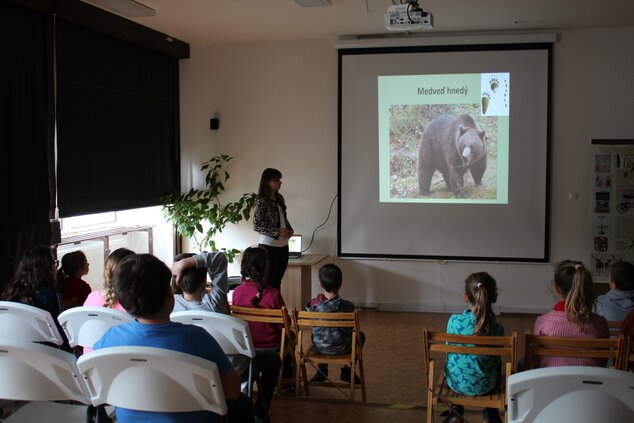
{"x":444,"y":138}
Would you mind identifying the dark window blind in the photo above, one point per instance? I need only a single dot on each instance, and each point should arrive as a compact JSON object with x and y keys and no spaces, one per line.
{"x":26,"y":122}
{"x":117,"y":123}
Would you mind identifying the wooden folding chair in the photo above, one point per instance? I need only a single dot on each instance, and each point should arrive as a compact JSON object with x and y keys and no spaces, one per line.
{"x":628,"y":355}
{"x":267,"y":315}
{"x":304,"y":322}
{"x":615,"y":328}
{"x":554,"y":346}
{"x":440,"y":343}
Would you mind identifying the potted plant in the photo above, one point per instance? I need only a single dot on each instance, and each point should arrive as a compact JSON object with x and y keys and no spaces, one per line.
{"x":191,"y":210}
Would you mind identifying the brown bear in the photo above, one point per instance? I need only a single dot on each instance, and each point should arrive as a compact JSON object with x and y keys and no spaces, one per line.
{"x":452,"y":145}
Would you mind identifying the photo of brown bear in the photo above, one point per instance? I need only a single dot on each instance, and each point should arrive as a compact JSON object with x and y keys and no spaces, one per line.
{"x":425,"y":165}
{"x":453,"y":146}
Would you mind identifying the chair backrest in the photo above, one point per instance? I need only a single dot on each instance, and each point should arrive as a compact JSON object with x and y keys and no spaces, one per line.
{"x":311,"y":319}
{"x":307,"y":320}
{"x":27,"y":323}
{"x":232,"y":334}
{"x":614,"y":328}
{"x":501,"y":346}
{"x":628,"y":355}
{"x":268,"y":315}
{"x":84,"y":326}
{"x":571,"y":394}
{"x":152,"y":379}
{"x":35,"y":372}
{"x":590,"y":348}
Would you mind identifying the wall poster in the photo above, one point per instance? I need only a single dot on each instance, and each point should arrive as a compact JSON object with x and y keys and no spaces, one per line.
{"x":612,"y":205}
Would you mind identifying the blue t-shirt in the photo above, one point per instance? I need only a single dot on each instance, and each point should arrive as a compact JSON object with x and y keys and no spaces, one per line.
{"x":471,"y":374}
{"x":187,"y":339}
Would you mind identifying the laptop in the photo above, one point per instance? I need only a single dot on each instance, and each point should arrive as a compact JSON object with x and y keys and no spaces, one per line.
{"x":295,"y":246}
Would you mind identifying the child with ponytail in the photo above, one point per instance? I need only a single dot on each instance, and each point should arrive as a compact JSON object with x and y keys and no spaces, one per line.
{"x":256,"y":292}
{"x":105,"y":297}
{"x":73,"y":289}
{"x":474,"y":374}
{"x":572,"y":315}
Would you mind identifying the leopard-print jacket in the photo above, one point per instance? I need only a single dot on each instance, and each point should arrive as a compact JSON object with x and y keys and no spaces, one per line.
{"x":266,"y":218}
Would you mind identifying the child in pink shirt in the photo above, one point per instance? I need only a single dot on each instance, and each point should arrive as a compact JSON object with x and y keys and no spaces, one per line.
{"x":572,"y":316}
{"x":105,"y":297}
{"x":256,"y":292}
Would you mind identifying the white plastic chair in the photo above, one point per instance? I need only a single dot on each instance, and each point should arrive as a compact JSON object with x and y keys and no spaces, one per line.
{"x":27,"y":323}
{"x":84,"y":326}
{"x":571,"y":394}
{"x":38,"y":373}
{"x":232,"y":334}
{"x":152,"y":379}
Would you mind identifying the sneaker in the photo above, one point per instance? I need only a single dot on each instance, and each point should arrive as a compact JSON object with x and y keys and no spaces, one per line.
{"x":321,"y":375}
{"x":451,"y":417}
{"x":345,"y":375}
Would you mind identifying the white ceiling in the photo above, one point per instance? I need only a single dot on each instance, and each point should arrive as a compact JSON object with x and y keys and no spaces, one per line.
{"x":224,"y":21}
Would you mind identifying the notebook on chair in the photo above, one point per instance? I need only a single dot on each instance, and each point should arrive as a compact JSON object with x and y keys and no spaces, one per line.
{"x":295,"y":246}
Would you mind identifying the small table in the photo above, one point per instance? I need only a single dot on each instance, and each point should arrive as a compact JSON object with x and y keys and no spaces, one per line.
{"x":296,"y":280}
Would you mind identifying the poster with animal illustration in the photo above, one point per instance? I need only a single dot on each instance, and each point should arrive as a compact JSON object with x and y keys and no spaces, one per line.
{"x":612,"y":205}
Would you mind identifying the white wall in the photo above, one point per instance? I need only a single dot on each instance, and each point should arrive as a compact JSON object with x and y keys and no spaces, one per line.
{"x":277,"y":105}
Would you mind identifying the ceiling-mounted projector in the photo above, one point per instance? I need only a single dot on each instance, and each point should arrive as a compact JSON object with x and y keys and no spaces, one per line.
{"x":408,"y":17}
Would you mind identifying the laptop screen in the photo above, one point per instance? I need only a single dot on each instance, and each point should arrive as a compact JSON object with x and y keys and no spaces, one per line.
{"x":295,"y":245}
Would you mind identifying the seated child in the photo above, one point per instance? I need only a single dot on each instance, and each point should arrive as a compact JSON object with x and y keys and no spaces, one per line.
{"x":619,"y":300}
{"x":105,"y":297}
{"x":34,"y":284}
{"x":70,"y":285}
{"x":572,"y":316}
{"x":474,"y":374}
{"x":142,"y":285}
{"x":190,"y":277}
{"x":332,"y":341}
{"x":254,"y":291}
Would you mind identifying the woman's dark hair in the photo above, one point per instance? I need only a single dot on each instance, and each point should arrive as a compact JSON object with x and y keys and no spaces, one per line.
{"x":35,"y":270}
{"x":481,"y":291}
{"x":575,"y":284}
{"x":108,"y":274}
{"x":193,"y":280}
{"x":141,"y":282}
{"x":264,"y":191}
{"x":253,"y":266}
{"x":71,"y":263}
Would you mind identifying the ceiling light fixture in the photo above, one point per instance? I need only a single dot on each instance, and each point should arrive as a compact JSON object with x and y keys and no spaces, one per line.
{"x":127,"y":8}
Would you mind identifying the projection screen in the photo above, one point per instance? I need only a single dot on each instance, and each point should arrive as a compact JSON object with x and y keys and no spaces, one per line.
{"x":444,"y":152}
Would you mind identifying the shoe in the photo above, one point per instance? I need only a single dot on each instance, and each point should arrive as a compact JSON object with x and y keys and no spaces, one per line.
{"x":451,"y":417}
{"x":491,"y":415}
{"x":345,"y":375}
{"x":321,"y":375}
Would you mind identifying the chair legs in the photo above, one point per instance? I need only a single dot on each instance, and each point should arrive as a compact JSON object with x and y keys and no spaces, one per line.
{"x":301,"y":378}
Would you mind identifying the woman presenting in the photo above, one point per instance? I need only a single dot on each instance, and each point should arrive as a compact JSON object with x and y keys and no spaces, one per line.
{"x":271,"y":222}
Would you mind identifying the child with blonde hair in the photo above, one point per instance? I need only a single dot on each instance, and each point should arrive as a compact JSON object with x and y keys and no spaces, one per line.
{"x":572,"y":315}
{"x":105,"y":297}
{"x":474,"y":374}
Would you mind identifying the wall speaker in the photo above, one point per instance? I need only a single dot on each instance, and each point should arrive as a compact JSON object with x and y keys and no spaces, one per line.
{"x":214,"y":124}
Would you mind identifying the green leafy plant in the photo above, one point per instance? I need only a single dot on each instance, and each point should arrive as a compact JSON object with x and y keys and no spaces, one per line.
{"x":189,"y":211}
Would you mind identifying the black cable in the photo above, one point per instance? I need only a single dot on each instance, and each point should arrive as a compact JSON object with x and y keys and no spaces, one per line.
{"x":328,"y":217}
